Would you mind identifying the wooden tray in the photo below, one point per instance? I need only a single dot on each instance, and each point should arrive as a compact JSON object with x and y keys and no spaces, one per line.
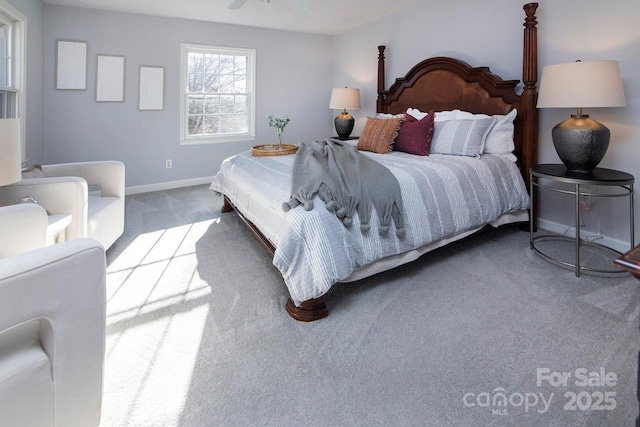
{"x":273,"y":150}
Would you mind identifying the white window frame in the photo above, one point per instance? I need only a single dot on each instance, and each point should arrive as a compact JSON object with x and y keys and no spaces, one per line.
{"x":250,"y":135}
{"x":17,"y":69}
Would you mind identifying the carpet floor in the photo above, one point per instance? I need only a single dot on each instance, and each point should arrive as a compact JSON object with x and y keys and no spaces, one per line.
{"x":481,"y":332}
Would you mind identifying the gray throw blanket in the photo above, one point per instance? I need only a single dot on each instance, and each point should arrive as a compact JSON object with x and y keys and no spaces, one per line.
{"x":348,"y":182}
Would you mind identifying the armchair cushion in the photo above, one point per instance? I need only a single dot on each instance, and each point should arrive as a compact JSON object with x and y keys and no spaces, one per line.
{"x":100,"y":218}
{"x":25,"y":376}
{"x":53,"y":325}
{"x":23,"y":228}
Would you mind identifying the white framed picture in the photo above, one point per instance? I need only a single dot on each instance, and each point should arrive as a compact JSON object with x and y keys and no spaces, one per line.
{"x":71,"y":65}
{"x":151,"y":88}
{"x":110,"y":78}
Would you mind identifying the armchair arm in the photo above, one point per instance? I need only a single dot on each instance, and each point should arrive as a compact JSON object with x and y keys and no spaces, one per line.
{"x":56,"y":195}
{"x":64,"y":287}
{"x":108,"y":175}
{"x":23,"y":228}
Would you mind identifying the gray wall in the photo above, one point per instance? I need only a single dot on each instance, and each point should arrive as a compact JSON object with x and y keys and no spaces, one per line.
{"x":489,"y":33}
{"x":33,"y":10}
{"x":293,"y":77}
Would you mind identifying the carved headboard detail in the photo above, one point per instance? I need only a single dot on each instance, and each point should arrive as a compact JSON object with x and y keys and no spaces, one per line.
{"x":443,"y":83}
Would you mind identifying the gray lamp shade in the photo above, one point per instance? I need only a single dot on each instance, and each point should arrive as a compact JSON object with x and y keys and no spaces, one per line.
{"x":10,"y":151}
{"x":580,"y":141}
{"x":343,"y":99}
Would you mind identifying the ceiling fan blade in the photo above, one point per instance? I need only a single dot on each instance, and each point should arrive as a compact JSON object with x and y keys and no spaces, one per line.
{"x":301,"y":6}
{"x":236,"y":4}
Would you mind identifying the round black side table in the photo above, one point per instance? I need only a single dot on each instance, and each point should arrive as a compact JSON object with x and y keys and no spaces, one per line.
{"x":557,"y":173}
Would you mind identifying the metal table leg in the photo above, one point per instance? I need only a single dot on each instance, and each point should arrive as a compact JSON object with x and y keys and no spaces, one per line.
{"x":531,"y":210}
{"x":577,"y":230}
{"x":631,"y":213}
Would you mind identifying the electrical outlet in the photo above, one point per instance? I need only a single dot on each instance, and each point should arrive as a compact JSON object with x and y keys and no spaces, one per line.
{"x":169,"y":164}
{"x":585,"y":203}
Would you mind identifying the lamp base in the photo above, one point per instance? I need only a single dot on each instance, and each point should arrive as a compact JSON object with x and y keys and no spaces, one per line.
{"x":581,"y":143}
{"x":344,"y":125}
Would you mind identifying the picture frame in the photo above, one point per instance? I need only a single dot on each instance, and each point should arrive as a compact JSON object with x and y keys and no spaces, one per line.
{"x":151,"y":92}
{"x":110,"y":78}
{"x":71,"y":65}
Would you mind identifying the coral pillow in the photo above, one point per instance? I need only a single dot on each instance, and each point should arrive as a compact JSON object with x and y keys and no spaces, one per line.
{"x":379,"y":134}
{"x":415,"y":135}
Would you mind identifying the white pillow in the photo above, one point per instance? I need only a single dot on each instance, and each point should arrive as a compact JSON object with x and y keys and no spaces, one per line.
{"x":443,"y":116}
{"x":440,"y":116}
{"x":500,"y":138}
{"x":389,"y":116}
{"x":416,"y":114}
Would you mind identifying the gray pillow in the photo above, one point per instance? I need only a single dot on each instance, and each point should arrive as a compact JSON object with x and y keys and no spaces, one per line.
{"x":461,"y":137}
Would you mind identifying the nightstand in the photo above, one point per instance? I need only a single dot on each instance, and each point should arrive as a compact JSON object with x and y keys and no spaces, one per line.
{"x":621,"y":182}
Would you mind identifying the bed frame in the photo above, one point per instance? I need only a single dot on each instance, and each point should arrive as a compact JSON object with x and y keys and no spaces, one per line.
{"x":443,"y":83}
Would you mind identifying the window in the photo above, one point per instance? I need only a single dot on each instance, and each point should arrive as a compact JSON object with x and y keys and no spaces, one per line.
{"x":12,"y":65}
{"x":218,"y":94}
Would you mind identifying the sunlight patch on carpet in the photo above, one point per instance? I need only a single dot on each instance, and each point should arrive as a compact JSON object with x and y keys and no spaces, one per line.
{"x":156,"y":314}
{"x":134,"y":253}
{"x":156,"y":359}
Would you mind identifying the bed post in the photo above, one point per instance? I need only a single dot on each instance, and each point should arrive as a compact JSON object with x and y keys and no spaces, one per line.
{"x":529,"y":97}
{"x":226,"y":207}
{"x":309,"y":311}
{"x":381,"y":90}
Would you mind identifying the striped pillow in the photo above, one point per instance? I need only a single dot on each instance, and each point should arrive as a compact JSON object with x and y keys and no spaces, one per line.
{"x":378,"y":135}
{"x":461,"y":137}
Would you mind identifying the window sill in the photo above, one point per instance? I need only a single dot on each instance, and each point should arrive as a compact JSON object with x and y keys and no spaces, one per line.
{"x":205,"y":141}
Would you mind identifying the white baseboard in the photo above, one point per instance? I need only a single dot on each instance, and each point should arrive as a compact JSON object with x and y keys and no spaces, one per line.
{"x":138,"y":189}
{"x":554,"y":227}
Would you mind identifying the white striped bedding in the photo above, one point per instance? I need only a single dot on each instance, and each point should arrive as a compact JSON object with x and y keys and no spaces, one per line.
{"x":444,"y":196}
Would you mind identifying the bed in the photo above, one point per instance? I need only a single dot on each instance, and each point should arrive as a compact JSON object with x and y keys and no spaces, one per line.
{"x":314,"y":251}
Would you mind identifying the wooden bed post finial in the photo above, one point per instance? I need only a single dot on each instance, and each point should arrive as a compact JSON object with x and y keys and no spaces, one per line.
{"x":380,"y":78}
{"x":529,"y":97}
{"x":530,"y":60}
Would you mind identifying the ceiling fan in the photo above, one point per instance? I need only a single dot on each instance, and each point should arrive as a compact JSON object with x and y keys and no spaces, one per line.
{"x":301,"y":6}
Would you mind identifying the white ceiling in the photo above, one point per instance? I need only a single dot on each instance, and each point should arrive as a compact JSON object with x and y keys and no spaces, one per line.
{"x":326,"y":17}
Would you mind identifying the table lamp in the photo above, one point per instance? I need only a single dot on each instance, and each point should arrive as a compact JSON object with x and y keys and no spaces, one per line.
{"x":581,"y":142}
{"x":10,"y":157}
{"x":343,"y":99}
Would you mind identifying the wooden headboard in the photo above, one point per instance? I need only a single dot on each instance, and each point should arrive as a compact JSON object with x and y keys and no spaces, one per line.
{"x":442,"y":83}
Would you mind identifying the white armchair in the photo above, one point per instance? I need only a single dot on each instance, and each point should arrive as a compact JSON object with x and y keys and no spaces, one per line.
{"x":52,"y":335}
{"x":23,"y":228}
{"x":64,"y":189}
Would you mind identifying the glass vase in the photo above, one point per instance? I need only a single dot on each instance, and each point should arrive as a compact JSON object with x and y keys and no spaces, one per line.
{"x":280,"y":131}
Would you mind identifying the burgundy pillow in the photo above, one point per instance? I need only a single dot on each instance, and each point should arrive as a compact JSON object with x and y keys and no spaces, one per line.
{"x":415,"y":135}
